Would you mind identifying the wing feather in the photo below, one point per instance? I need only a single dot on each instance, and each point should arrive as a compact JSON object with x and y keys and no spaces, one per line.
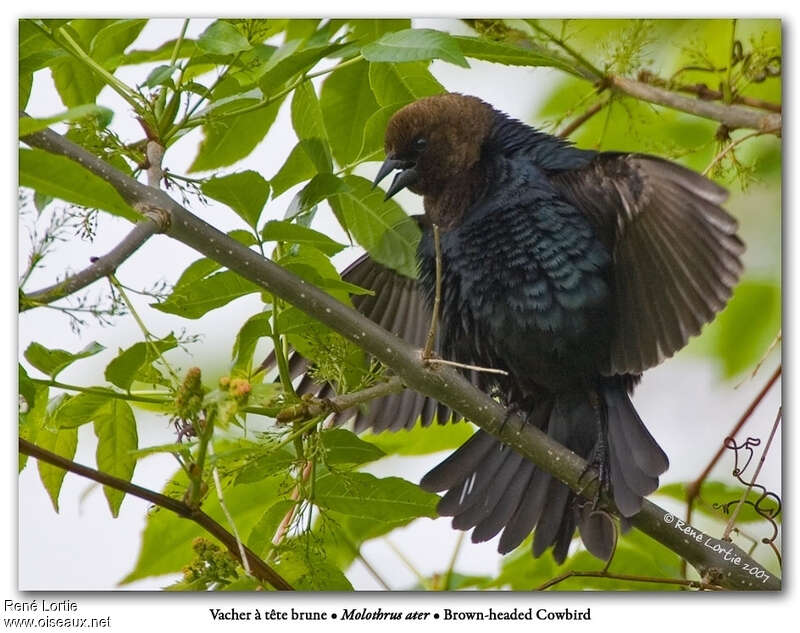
{"x":676,"y":255}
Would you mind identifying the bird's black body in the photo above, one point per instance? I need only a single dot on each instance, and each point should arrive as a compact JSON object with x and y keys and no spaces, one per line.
{"x":571,"y":270}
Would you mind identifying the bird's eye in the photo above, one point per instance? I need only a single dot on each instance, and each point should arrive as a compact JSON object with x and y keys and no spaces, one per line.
{"x":420,"y":144}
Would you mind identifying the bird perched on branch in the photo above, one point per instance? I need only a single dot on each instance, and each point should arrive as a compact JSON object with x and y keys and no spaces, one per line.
{"x":573,"y":271}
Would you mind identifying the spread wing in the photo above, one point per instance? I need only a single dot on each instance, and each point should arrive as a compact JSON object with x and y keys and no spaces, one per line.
{"x":398,"y":306}
{"x":675,"y":250}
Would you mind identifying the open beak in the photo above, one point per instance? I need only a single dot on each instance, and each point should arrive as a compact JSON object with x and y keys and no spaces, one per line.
{"x":408,"y":175}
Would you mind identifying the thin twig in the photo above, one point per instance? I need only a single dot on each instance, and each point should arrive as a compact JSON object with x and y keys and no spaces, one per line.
{"x":696,"y":584}
{"x":732,"y":520}
{"x":260,"y":569}
{"x":307,"y":409}
{"x":452,"y":363}
{"x":398,"y":552}
{"x":448,"y":576}
{"x":583,"y":118}
{"x":100,"y":267}
{"x":428,"y":350}
{"x":778,"y":338}
{"x":733,"y":144}
{"x":231,"y":522}
{"x":694,"y":488}
{"x":109,"y":393}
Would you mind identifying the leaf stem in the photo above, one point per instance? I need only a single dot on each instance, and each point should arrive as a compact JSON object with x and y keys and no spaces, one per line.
{"x":148,"y":337}
{"x":76,"y":51}
{"x":130,"y":397}
{"x":178,"y":43}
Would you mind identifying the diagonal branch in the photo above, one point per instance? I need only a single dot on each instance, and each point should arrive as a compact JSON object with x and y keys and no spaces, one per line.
{"x":99,"y":268}
{"x":258,"y":567}
{"x":442,"y":383}
{"x":731,"y":116}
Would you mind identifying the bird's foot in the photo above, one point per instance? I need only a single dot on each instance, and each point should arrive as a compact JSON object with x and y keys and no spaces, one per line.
{"x":511,"y":410}
{"x":598,"y":466}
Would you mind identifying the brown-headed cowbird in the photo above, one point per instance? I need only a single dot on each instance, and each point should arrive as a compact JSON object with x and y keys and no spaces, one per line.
{"x":573,"y":271}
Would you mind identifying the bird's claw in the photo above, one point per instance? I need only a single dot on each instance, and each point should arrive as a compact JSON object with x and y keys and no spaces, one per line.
{"x":598,"y":467}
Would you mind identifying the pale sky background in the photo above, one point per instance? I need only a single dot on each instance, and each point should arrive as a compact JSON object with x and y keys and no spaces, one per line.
{"x":683,"y":402}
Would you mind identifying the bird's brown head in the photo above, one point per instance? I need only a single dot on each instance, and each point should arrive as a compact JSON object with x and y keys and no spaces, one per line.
{"x":434,"y":141}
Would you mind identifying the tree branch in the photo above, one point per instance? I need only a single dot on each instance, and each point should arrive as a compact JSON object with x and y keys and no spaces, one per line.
{"x":731,"y":116}
{"x":695,"y":584}
{"x":100,"y":267}
{"x":440,"y":382}
{"x":259,"y":568}
{"x":307,"y":409}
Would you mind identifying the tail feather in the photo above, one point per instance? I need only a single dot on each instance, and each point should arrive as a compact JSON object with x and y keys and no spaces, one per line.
{"x":597,"y":532}
{"x":492,"y":488}
{"x":625,"y":425}
{"x":472,"y":489}
{"x":460,"y":464}
{"x":527,"y":513}
{"x":501,"y":515}
{"x":556,"y":512}
{"x":486,"y":503}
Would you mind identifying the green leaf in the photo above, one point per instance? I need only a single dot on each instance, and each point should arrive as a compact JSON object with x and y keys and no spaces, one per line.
{"x":375,"y":131}
{"x":421,"y":440}
{"x":347,"y":103}
{"x":381,"y":227}
{"x":75,"y":82}
{"x":76,"y":410}
{"x":28,"y":125}
{"x":26,"y":387}
{"x":343,"y":535}
{"x":297,"y":168}
{"x":283,"y":231}
{"x":415,"y":45}
{"x":245,"y":192}
{"x":256,"y":327}
{"x":741,"y":334}
{"x":232,"y":138}
{"x":222,"y":38}
{"x":25,"y":86}
{"x":63,"y":178}
{"x":194,"y":299}
{"x":718,"y":499}
{"x":187,"y":48}
{"x":369,"y":30}
{"x":63,"y":442}
{"x":306,"y":570}
{"x":133,"y":361}
{"x":498,"y":52}
{"x":288,"y":61}
{"x":345,"y":447}
{"x":365,"y":496}
{"x":310,"y":128}
{"x":262,"y":467}
{"x":160,"y":75}
{"x":320,"y":187}
{"x":260,"y":539}
{"x":53,"y":361}
{"x":402,"y":83}
{"x":32,"y":413}
{"x":108,"y":46}
{"x":312,"y":265}
{"x":117,"y":439}
{"x":196,"y":271}
{"x":166,"y":545}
